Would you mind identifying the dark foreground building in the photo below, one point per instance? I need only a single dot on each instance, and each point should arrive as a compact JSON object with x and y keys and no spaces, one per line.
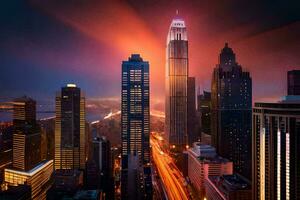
{"x":276,"y":149}
{"x":135,"y":129}
{"x":231,"y":97}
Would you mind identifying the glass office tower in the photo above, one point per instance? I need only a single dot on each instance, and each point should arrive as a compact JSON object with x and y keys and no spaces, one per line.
{"x":135,"y":129}
{"x":176,"y":85}
{"x":70,"y":129}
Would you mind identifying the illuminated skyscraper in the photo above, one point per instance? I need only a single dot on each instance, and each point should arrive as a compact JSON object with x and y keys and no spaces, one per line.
{"x":26,"y":136}
{"x":176,"y":84}
{"x":135,"y":129}
{"x":231,"y":97}
{"x":70,"y":129}
{"x":27,"y":167}
{"x":276,"y":149}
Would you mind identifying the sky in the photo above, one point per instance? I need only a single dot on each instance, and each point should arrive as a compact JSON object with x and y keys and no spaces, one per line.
{"x":45,"y":44}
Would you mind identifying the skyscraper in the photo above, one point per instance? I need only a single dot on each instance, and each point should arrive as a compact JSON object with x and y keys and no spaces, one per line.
{"x":27,"y":167}
{"x":176,"y":85}
{"x":26,"y":136}
{"x":135,"y":129}
{"x":276,"y":149}
{"x":70,"y":129}
{"x":293,"y":81}
{"x":231,"y":112}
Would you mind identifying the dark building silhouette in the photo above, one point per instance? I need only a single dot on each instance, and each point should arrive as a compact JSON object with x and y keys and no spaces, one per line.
{"x":293,"y":82}
{"x":70,"y":130}
{"x":192,"y":122}
{"x":276,"y":148}
{"x":204,"y":108}
{"x":176,"y":85}
{"x":135,"y":129}
{"x":102,"y":156}
{"x":26,"y":135}
{"x":231,"y":97}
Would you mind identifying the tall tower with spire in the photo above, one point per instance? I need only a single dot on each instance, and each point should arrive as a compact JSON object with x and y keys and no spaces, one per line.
{"x":231,"y":98}
{"x":176,"y":84}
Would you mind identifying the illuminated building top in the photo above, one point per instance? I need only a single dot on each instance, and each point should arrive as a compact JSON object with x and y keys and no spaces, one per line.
{"x":177,"y":30}
{"x":71,"y":85}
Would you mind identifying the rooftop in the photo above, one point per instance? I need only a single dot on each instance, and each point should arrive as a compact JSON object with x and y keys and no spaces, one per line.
{"x":34,"y":170}
{"x":230,"y":183}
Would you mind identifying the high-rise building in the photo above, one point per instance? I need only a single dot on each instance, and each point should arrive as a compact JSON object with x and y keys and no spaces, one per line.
{"x":228,"y":187}
{"x":203,"y":162}
{"x":136,"y":172}
{"x":192,"y":123}
{"x":26,"y":136}
{"x":231,"y":97}
{"x":293,"y":82}
{"x":70,"y":129}
{"x":276,"y":148}
{"x":27,"y":168}
{"x":176,"y":85}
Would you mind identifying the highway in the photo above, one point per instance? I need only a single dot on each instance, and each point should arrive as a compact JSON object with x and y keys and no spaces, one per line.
{"x":170,"y":175}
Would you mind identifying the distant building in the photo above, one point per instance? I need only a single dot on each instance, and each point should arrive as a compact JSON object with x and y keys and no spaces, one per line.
{"x":176,"y":85}
{"x":203,"y":162}
{"x":70,"y":129}
{"x":204,"y":108}
{"x":231,"y":98}
{"x":135,"y":130}
{"x":192,"y":123}
{"x":27,"y":135}
{"x":38,"y":178}
{"x":293,"y":82}
{"x":276,"y":147}
{"x":47,"y":136}
{"x":227,"y":187}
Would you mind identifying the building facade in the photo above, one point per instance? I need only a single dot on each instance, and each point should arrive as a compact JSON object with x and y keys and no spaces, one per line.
{"x":135,"y":129}
{"x":276,"y":147}
{"x":231,"y":112}
{"x":70,"y":129}
{"x":176,"y":85}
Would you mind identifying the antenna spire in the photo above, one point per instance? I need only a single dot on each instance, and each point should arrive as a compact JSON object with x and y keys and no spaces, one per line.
{"x":177,"y":12}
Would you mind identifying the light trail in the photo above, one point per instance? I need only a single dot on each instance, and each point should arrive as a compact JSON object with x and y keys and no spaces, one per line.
{"x":169,"y":173}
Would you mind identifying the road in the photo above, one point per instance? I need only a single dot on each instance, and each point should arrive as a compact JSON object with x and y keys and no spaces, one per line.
{"x":170,"y":175}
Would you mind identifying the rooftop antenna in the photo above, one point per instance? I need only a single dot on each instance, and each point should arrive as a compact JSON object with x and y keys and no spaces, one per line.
{"x":177,"y":12}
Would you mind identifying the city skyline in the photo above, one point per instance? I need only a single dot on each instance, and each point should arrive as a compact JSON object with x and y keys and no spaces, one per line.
{"x":24,"y":48}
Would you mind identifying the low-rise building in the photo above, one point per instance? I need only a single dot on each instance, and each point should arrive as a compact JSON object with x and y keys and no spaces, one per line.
{"x":204,"y":162}
{"x":227,"y":187}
